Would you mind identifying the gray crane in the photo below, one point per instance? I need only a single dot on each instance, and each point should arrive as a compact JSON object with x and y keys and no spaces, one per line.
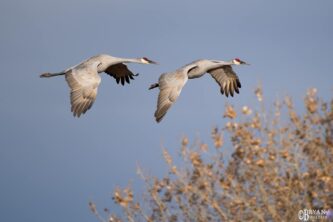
{"x":83,"y":79}
{"x":171,"y":83}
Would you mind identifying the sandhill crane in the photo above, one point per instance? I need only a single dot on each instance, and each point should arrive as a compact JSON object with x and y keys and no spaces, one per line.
{"x":171,"y":83}
{"x":83,"y":79}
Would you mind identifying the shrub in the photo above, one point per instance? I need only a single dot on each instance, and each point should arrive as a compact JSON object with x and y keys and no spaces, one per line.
{"x":281,"y":162}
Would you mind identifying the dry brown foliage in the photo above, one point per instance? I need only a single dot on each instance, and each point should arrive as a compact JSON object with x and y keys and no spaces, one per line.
{"x":280,"y":164}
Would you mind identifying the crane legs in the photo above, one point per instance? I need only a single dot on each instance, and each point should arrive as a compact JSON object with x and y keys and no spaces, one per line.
{"x":47,"y":74}
{"x":152,"y":86}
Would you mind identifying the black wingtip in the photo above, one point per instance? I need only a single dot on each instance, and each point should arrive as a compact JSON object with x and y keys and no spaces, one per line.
{"x":127,"y":79}
{"x":238,"y":83}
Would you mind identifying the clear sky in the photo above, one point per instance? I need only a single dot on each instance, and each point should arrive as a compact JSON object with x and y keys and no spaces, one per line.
{"x":52,"y":164}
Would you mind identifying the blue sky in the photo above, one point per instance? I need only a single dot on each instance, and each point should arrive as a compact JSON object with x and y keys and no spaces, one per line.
{"x":52,"y":164}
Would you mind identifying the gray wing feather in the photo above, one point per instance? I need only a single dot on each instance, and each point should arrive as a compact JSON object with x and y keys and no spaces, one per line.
{"x":170,"y":87}
{"x":84,"y":85}
{"x":227,"y":80}
{"x":166,"y":98}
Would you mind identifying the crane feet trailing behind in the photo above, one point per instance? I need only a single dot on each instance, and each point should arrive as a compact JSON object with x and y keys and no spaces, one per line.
{"x":152,"y":86}
{"x":45,"y":75}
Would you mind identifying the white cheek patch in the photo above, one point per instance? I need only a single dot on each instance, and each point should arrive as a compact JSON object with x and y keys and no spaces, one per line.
{"x":144,"y":61}
{"x":236,"y":62}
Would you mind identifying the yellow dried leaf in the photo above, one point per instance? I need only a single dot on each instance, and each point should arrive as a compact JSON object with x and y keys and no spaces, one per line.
{"x":259,"y":93}
{"x":185,"y":141}
{"x":284,"y":154}
{"x":230,"y":112}
{"x":260,"y":163}
{"x":246,"y":110}
{"x":204,"y":147}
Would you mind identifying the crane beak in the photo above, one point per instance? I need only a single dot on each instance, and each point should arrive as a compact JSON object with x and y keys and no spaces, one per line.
{"x":152,"y":62}
{"x":147,"y":61}
{"x":244,"y":63}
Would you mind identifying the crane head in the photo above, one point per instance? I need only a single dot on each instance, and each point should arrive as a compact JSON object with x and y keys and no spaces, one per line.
{"x":237,"y":61}
{"x":145,"y":60}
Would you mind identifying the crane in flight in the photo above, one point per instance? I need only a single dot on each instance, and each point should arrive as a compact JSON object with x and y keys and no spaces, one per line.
{"x":83,"y":79}
{"x":172,"y":83}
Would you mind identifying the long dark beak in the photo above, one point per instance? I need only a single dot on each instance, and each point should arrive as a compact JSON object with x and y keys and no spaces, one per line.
{"x":244,"y":63}
{"x":152,"y":62}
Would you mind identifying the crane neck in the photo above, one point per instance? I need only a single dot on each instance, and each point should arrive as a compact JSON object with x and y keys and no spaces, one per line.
{"x":128,"y":60}
{"x":223,"y":63}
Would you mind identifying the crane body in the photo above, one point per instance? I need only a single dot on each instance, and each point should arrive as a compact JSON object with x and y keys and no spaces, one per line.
{"x":84,"y":79}
{"x":171,"y":83}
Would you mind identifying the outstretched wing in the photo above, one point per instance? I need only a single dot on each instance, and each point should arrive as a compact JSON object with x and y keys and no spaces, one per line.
{"x":227,"y":79}
{"x":120,"y":72}
{"x":170,"y":87}
{"x":84,"y":85}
